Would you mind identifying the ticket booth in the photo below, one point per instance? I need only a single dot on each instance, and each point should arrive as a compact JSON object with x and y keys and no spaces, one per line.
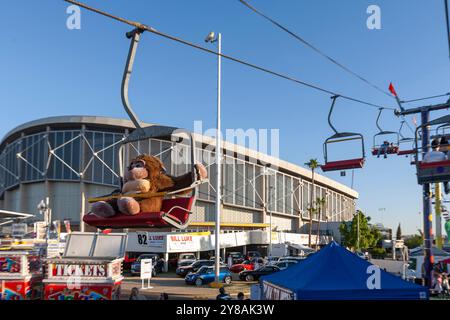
{"x":20,"y":275}
{"x":90,"y":269}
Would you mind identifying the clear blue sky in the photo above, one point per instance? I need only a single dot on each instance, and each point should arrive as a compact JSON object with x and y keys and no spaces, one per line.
{"x":49,"y":70}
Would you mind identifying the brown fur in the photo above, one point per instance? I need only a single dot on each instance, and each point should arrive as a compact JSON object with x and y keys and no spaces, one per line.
{"x":159,"y":181}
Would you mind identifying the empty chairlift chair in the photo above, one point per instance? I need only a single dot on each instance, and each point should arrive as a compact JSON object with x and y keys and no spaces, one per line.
{"x":338,"y":137}
{"x":404,"y":141}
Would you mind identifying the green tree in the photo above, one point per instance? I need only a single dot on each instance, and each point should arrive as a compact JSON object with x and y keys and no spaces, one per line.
{"x":399,"y":232}
{"x":368,"y":235}
{"x":414,"y":241}
{"x":313,"y":164}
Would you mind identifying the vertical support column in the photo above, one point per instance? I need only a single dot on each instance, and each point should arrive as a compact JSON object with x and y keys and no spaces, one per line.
{"x":437,"y":210}
{"x":20,"y":206}
{"x":82,"y":184}
{"x":166,"y":261}
{"x":427,"y":214}
{"x":47,"y":186}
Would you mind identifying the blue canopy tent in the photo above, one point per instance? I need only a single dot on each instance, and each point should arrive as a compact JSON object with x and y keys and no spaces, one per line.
{"x":334,"y":273}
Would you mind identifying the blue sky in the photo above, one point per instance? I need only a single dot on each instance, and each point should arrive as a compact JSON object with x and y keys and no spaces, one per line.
{"x":49,"y":70}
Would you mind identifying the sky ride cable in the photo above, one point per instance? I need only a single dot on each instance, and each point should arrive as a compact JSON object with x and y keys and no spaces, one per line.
{"x":317,"y":50}
{"x":144,"y":27}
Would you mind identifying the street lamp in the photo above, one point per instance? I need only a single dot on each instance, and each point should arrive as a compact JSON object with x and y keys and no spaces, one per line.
{"x":211,"y":37}
{"x":44,"y":209}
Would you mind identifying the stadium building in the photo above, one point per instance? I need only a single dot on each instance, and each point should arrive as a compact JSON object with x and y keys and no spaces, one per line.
{"x":72,"y":158}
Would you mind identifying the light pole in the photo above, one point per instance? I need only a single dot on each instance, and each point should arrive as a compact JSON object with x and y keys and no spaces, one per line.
{"x":270,"y":222}
{"x":212,"y":38}
{"x":357,"y":246}
{"x":44,"y":209}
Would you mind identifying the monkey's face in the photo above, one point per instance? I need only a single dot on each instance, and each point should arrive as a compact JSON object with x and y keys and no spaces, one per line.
{"x":136,"y":170}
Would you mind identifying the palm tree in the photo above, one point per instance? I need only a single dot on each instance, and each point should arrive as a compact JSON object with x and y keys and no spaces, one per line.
{"x":320,"y":203}
{"x":313,"y":164}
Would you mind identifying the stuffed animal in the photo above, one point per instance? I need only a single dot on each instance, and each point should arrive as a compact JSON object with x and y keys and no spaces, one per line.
{"x":144,"y":174}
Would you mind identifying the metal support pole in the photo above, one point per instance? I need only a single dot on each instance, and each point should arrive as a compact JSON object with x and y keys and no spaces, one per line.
{"x":270,"y":223}
{"x":427,"y":215}
{"x":437,"y":210}
{"x":218,"y":161}
{"x":357,"y":245}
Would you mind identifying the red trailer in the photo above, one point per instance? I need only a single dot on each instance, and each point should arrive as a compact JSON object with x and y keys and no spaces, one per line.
{"x":90,"y":269}
{"x":20,"y":275}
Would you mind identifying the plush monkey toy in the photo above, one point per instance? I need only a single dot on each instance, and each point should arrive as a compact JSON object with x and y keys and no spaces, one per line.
{"x":145,"y":174}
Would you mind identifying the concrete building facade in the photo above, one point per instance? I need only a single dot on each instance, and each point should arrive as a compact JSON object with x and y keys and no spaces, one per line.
{"x":72,"y":158}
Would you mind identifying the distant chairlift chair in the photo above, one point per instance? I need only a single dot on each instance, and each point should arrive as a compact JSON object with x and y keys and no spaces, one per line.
{"x":341,"y":137}
{"x":404,"y":141}
{"x":377,"y":147}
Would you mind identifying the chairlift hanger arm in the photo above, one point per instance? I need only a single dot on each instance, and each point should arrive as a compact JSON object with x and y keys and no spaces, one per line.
{"x":378,"y":119}
{"x":135,"y":36}
{"x":231,"y":58}
{"x":331,"y":111}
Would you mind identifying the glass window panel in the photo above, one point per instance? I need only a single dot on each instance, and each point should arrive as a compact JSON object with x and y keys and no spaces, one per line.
{"x":239,"y":171}
{"x":280,"y":193}
{"x":271,"y":191}
{"x":228,"y":185}
{"x":250,"y":190}
{"x":108,"y":157}
{"x":67,"y":155}
{"x":259,"y":181}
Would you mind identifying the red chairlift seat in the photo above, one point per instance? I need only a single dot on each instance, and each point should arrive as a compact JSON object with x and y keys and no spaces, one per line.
{"x":406,"y":152}
{"x":432,"y":172}
{"x":343,"y":164}
{"x":175,"y":212}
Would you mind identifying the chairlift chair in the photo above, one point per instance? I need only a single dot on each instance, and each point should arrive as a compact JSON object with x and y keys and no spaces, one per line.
{"x":356,"y":163}
{"x":377,"y":147}
{"x":177,"y":205}
{"x":432,"y":172}
{"x":403,"y":141}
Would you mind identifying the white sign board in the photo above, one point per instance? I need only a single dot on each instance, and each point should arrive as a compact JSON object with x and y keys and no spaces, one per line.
{"x":146,"y":268}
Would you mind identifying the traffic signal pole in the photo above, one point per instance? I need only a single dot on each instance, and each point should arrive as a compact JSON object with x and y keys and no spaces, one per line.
{"x":426,"y":192}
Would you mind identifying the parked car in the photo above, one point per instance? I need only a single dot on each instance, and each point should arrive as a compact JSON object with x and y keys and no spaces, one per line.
{"x":258,"y":260}
{"x":237,"y":257}
{"x":272,"y":260}
{"x":245,"y":265}
{"x":185,"y":257}
{"x":206,"y":275}
{"x":362,"y":255}
{"x":193,"y":267}
{"x":291,"y":259}
{"x":157,"y":267}
{"x":284,"y":264}
{"x":127,"y":262}
{"x":252,"y":275}
{"x":214,"y":258}
{"x":253,"y":254}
